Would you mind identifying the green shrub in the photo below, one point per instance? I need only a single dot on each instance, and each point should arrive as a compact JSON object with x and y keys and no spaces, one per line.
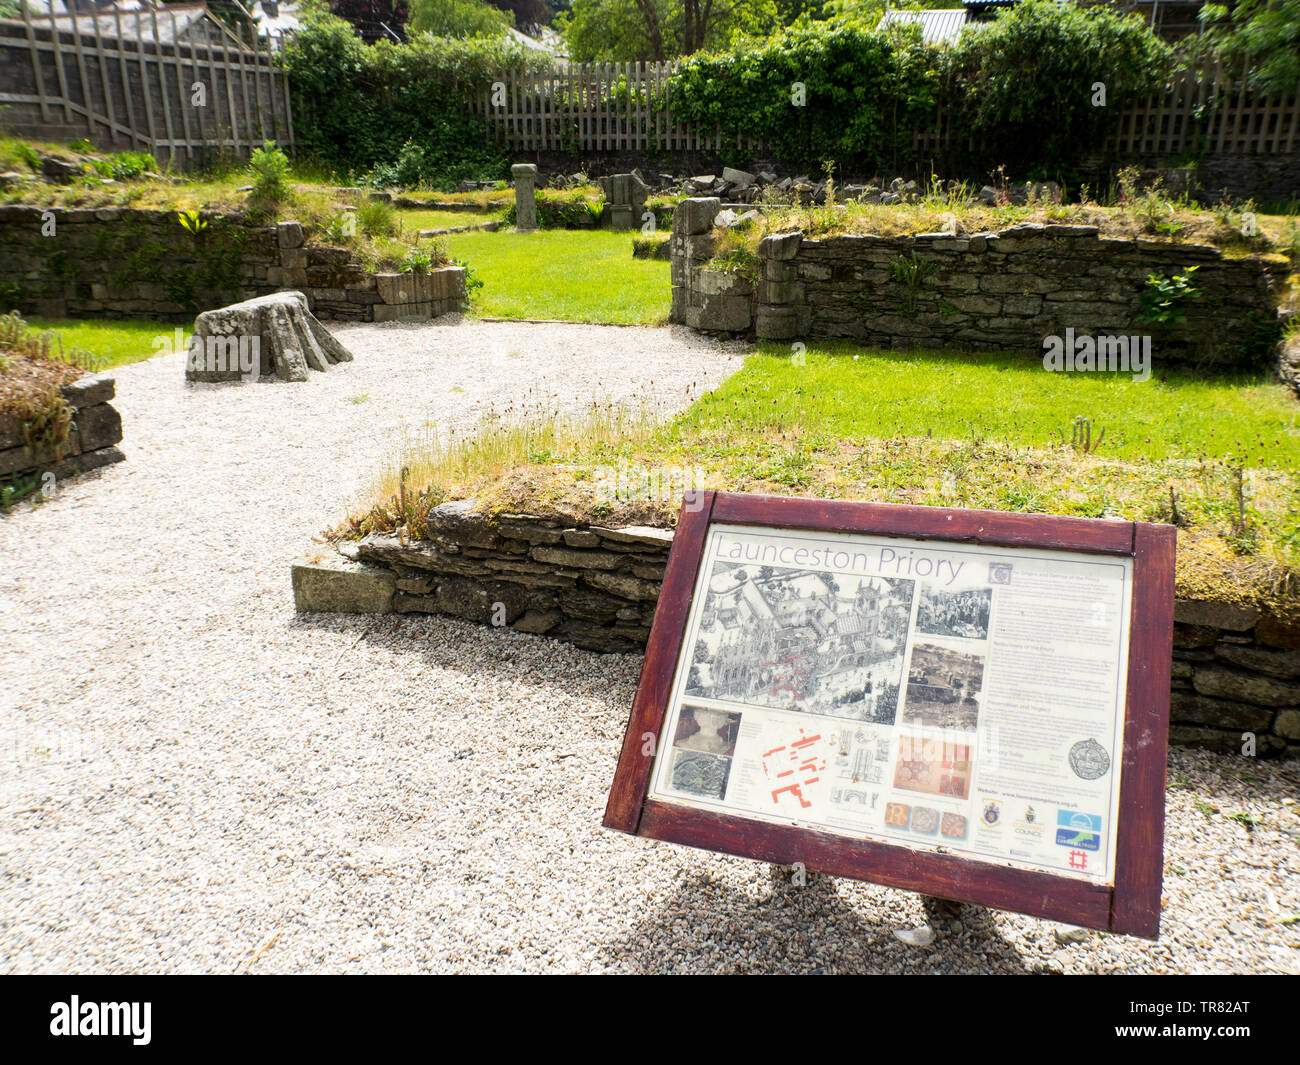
{"x":269,"y":168}
{"x":378,"y":219}
{"x":864,"y":94}
{"x":358,"y":107}
{"x":1164,"y":299}
{"x":125,"y":165}
{"x":1026,"y":83}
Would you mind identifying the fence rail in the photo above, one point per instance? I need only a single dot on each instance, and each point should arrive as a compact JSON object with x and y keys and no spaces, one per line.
{"x":1197,"y":112}
{"x":629,"y":107}
{"x":595,"y":107}
{"x":124,"y":82}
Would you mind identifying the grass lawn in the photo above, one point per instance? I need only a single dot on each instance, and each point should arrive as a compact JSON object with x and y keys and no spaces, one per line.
{"x":570,"y":275}
{"x":119,"y":343}
{"x":414,"y":221}
{"x":847,"y":393}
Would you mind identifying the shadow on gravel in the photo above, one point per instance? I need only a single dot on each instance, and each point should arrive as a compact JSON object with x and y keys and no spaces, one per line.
{"x":707,"y":927}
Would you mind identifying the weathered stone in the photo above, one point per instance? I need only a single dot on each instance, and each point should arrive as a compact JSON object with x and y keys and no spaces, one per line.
{"x":289,"y":235}
{"x":478,"y":600}
{"x":459,"y":522}
{"x":1199,"y":709}
{"x":538,"y":622}
{"x":525,"y":178}
{"x":415,"y":585}
{"x":328,"y":583}
{"x":1261,"y":660}
{"x":582,"y":560}
{"x":1194,"y":635}
{"x":1246,"y":687}
{"x":1216,"y":615}
{"x":253,"y":340}
{"x":694,"y":216}
{"x":533,"y":533}
{"x":624,"y":586}
{"x":1222,"y":741}
{"x":98,"y":426}
{"x":1288,"y":724}
{"x":88,"y":390}
{"x":1277,"y":633}
{"x":638,"y":534}
{"x":580,"y":538}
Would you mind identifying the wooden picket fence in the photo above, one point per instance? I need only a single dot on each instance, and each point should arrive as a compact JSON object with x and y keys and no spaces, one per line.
{"x":1196,"y":112}
{"x":123,"y":82}
{"x":606,"y":107}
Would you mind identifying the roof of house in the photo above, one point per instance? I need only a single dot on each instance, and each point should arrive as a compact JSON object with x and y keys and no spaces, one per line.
{"x":174,"y":21}
{"x":937,"y":26}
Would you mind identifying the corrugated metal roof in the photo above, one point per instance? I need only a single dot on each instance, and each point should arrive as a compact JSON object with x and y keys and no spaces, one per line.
{"x":937,"y":26}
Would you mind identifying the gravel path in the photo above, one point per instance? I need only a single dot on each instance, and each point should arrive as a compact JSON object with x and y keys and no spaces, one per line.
{"x":197,"y":779}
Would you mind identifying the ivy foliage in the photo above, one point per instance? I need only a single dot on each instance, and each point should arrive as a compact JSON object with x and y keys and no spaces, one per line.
{"x":816,"y":91}
{"x":358,"y":106}
{"x":1028,"y":83}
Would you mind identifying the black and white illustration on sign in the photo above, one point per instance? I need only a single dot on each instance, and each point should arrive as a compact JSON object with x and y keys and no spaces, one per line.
{"x":809,"y":641}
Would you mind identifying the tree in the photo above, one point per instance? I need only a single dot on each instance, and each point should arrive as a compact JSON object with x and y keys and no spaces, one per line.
{"x":458,"y":18}
{"x":660,"y":29}
{"x":1262,"y":35}
{"x":374,"y":19}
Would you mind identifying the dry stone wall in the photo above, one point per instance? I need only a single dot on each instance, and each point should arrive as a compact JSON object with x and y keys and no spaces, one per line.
{"x":96,"y":429}
{"x":128,"y":263}
{"x":1236,"y":672}
{"x":990,"y":291}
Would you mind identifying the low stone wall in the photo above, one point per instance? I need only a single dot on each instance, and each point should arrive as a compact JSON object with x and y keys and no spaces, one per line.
{"x":128,"y":263}
{"x":1235,"y":671}
{"x":97,"y":427}
{"x":995,"y":291}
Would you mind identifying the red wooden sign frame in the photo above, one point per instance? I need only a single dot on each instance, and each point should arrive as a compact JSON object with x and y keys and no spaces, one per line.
{"x":1130,"y":906}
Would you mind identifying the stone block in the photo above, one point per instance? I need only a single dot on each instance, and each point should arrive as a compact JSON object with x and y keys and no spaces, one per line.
{"x":776,"y":323}
{"x":458,"y":522}
{"x":1260,"y":659}
{"x":289,"y":234}
{"x":1186,"y":707}
{"x":729,"y":314}
{"x":1216,"y":615}
{"x":622,"y":585}
{"x":88,"y":390}
{"x":583,"y":560}
{"x":1277,"y":633}
{"x":644,"y":535}
{"x":720,"y":283}
{"x":329,"y":583}
{"x":1246,"y":687}
{"x":780,"y":246}
{"x":696,"y":215}
{"x":98,"y":426}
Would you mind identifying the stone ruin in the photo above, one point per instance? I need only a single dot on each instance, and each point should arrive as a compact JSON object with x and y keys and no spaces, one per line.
{"x":625,"y":196}
{"x":269,"y":336}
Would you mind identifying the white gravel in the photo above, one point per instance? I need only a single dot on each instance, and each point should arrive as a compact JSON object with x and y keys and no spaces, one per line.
{"x":197,"y":779}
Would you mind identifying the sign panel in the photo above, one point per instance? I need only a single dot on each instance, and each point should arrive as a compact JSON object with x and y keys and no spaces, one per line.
{"x":900,"y":696}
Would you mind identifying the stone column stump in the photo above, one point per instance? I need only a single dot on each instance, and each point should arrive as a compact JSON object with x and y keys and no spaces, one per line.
{"x":275,"y":335}
{"x":525,"y":175}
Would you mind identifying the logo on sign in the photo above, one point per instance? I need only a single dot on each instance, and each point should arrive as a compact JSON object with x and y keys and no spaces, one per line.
{"x":1068,"y":837}
{"x":1080,"y":821}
